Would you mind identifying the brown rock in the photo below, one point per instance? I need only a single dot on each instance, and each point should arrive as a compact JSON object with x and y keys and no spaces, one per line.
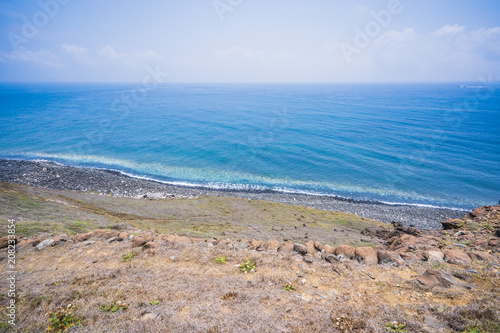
{"x":27,"y":243}
{"x":81,"y":237}
{"x":346,"y":250}
{"x":495,"y":242}
{"x":452,"y":224}
{"x":299,"y":248}
{"x":182,"y":240}
{"x":478,"y":212}
{"x":385,"y":256}
{"x":366,"y":255}
{"x":286,"y":247}
{"x":457,"y":257}
{"x":312,"y":250}
{"x":318,"y":246}
{"x":329,"y":249}
{"x":255,"y":244}
{"x":138,"y":241}
{"x":272,"y":245}
{"x":432,"y":278}
{"x":481,"y":256}
{"x":150,"y":245}
{"x":433,"y":255}
{"x":124,"y":235}
{"x":4,"y":241}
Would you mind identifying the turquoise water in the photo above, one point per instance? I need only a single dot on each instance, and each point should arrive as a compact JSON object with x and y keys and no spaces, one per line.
{"x":435,"y":144}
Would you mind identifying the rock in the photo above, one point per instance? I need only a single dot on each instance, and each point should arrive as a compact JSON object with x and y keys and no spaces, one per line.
{"x":182,"y":240}
{"x":434,"y":324}
{"x":331,"y":258}
{"x":121,"y":226}
{"x":481,"y":256}
{"x":286,"y":247}
{"x":106,"y":234}
{"x":318,"y":246}
{"x":299,"y":248}
{"x":150,"y":316}
{"x":150,"y":245}
{"x":494,"y":242}
{"x":432,"y":278}
{"x":27,"y":243}
{"x":81,"y":237}
{"x":255,"y":244}
{"x":138,"y":241}
{"x":115,"y":239}
{"x":478,"y":212}
{"x":61,"y":239}
{"x":347,"y":250}
{"x":433,"y":255}
{"x":88,"y":243}
{"x":329,"y":249}
{"x":457,"y":257}
{"x":308,"y":258}
{"x":452,"y":224}
{"x":366,"y":255}
{"x":386,"y":256}
{"x":460,"y":233}
{"x":4,"y":241}
{"x":272,"y":245}
{"x":124,"y":235}
{"x":312,"y":250}
{"x":44,"y":244}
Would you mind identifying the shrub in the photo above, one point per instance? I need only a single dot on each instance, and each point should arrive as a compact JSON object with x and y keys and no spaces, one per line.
{"x":221,"y":260}
{"x":247,"y":266}
{"x":128,"y":257}
{"x":62,"y":319}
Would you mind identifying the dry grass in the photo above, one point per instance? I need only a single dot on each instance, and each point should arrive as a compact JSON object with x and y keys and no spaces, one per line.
{"x":193,"y":293}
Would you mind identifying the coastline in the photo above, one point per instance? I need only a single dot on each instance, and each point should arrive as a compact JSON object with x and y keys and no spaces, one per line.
{"x":109,"y":182}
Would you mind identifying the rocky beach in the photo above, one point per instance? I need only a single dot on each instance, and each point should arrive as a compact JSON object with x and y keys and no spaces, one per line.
{"x":107,"y":182}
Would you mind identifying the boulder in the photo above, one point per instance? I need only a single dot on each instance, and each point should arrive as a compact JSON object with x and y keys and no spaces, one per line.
{"x":386,"y":256}
{"x":450,"y":224}
{"x":457,"y":257}
{"x":481,"y":256}
{"x":44,"y":244}
{"x":272,"y":245}
{"x":478,"y":212}
{"x":433,"y":255}
{"x":331,"y":258}
{"x":329,"y":249}
{"x":347,"y":250}
{"x":27,"y":243}
{"x":366,"y":255}
{"x":255,"y":244}
{"x":81,"y":237}
{"x":124,"y":235}
{"x":494,"y":242}
{"x":286,"y":247}
{"x":138,"y":241}
{"x":308,"y":258}
{"x":432,"y":278}
{"x":312,"y":250}
{"x":318,"y":246}
{"x":4,"y":241}
{"x":301,"y":249}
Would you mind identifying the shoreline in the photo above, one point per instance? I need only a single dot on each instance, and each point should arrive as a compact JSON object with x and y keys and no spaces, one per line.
{"x":57,"y":176}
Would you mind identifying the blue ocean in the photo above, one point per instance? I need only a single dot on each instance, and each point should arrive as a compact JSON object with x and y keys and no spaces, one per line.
{"x":422,"y":144}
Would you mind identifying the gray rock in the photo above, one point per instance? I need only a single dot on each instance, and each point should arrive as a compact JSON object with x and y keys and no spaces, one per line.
{"x":432,"y":278}
{"x":115,"y":239}
{"x":44,"y":244}
{"x":433,"y":323}
{"x":308,"y":258}
{"x":88,"y":243}
{"x":331,"y":258}
{"x":150,"y":315}
{"x":300,"y":248}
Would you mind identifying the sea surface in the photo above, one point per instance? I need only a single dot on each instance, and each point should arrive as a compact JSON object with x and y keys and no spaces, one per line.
{"x":419,"y":144}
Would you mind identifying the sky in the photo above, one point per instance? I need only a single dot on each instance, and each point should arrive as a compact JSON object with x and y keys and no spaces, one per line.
{"x":250,"y":40}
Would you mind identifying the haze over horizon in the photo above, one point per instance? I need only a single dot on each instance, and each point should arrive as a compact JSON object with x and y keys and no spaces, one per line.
{"x":250,"y":41}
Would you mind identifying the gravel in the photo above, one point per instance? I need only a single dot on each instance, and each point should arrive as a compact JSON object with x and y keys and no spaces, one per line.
{"x":108,"y":182}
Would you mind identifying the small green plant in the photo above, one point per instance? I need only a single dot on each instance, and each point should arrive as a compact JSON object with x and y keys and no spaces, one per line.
{"x":128,"y":257}
{"x":395,"y":327}
{"x":63,"y":319}
{"x":438,"y":265}
{"x":247,"y":266}
{"x":114,"y":307}
{"x":155,"y":303}
{"x":488,"y":226}
{"x":473,"y":330}
{"x":289,"y":287}
{"x":221,"y":260}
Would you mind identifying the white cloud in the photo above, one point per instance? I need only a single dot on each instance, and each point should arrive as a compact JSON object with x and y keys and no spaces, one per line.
{"x":79,"y":53}
{"x":41,"y":56}
{"x":147,"y":54}
{"x":450,"y":30}
{"x":109,"y":52}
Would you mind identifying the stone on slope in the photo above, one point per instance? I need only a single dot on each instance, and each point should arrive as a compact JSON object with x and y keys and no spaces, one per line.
{"x":432,"y":278}
{"x":346,"y":250}
{"x":272,"y":245}
{"x":44,"y":244}
{"x":286,"y":247}
{"x":457,"y":257}
{"x":366,"y":255}
{"x":301,"y":249}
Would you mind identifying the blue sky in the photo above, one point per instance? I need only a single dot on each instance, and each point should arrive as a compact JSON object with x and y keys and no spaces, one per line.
{"x":250,"y":40}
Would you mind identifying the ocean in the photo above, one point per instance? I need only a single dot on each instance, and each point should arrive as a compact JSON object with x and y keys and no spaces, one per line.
{"x":417,"y":144}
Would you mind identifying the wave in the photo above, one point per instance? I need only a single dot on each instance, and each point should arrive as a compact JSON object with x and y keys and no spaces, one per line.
{"x":245,"y":182}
